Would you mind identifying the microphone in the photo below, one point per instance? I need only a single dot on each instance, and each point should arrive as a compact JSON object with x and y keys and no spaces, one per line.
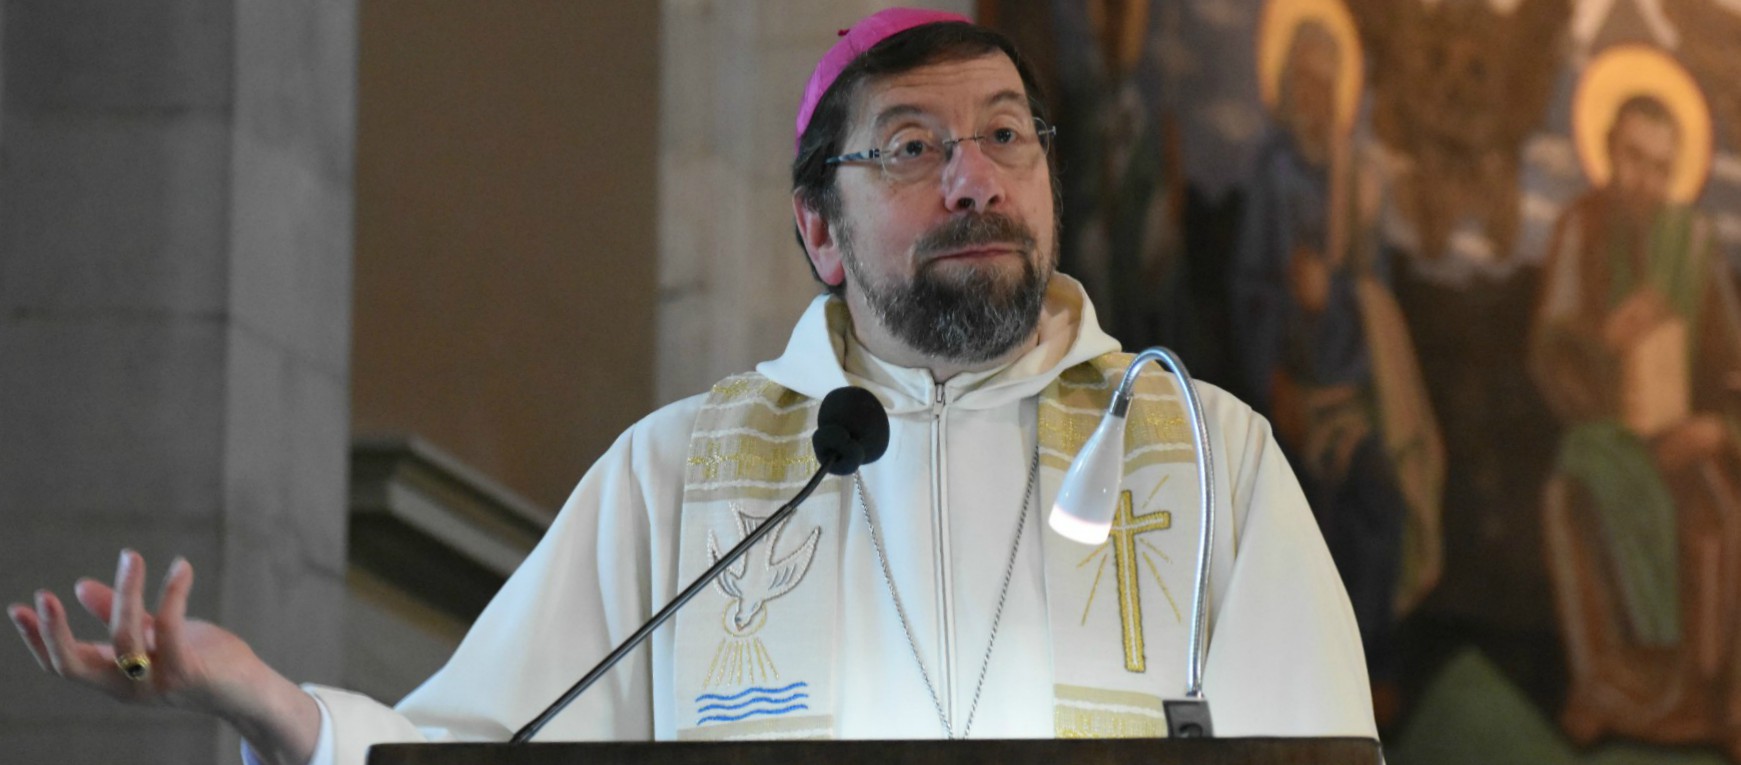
{"x":852,"y":430}
{"x":1086,"y":502}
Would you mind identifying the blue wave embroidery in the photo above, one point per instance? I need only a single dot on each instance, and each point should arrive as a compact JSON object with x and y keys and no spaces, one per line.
{"x":748,"y":691}
{"x":751,"y":713}
{"x":769,"y":697}
{"x":757,"y":700}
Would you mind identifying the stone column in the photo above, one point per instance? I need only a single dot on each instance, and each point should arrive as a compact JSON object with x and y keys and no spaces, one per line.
{"x":732,"y":278}
{"x":175,"y":268}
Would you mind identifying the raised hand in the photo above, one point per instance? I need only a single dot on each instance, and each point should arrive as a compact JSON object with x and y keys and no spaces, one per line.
{"x":174,"y":661}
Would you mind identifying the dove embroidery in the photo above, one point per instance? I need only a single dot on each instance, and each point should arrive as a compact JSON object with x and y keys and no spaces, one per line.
{"x":760,"y":576}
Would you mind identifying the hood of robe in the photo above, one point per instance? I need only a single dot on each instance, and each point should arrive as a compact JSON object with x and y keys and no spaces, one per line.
{"x":823,"y":355}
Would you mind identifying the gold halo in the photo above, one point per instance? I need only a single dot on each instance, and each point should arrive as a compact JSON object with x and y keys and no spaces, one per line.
{"x":1622,"y":72}
{"x":1276,"y":31}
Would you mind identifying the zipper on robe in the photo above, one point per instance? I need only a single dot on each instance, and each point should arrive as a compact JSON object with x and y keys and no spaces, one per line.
{"x":945,"y":571}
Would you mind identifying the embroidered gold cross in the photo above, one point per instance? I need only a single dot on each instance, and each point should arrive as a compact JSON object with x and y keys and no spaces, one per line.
{"x":1125,"y":528}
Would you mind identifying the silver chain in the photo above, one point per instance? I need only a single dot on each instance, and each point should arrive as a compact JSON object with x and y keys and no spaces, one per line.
{"x":997,"y":616}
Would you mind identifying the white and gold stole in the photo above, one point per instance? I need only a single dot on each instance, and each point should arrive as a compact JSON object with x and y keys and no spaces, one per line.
{"x":755,"y":653}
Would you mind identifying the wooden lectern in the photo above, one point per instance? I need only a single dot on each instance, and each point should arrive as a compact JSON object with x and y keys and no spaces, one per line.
{"x":1160,"y":751}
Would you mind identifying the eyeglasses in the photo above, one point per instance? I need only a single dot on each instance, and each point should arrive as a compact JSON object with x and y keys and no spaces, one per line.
{"x":915,"y":153}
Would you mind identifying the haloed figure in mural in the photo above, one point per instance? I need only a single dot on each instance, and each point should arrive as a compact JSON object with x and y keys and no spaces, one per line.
{"x":1325,"y":351}
{"x":1635,"y":348}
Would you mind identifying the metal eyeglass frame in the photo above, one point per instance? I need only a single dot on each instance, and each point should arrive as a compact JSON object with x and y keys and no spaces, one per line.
{"x":1045,"y":135}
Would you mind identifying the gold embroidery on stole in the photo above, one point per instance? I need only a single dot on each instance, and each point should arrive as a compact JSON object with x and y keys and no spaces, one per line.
{"x":1157,"y":433}
{"x":750,"y":448}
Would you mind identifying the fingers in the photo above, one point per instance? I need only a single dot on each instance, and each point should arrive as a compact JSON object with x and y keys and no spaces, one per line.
{"x":48,"y":634}
{"x":97,"y":598}
{"x":127,"y":616}
{"x":66,"y":655}
{"x":172,"y":604}
{"x":53,"y":631}
{"x":30,"y":629}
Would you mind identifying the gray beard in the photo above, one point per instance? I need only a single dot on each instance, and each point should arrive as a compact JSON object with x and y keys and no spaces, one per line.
{"x":972,"y":318}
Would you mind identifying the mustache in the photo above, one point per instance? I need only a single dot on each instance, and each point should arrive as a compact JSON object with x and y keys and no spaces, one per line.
{"x":975,"y":229}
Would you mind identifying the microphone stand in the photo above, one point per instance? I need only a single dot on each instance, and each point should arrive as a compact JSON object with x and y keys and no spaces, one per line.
{"x":526,"y":733}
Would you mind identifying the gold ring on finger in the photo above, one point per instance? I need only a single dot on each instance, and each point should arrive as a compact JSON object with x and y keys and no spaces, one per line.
{"x":135,"y":665}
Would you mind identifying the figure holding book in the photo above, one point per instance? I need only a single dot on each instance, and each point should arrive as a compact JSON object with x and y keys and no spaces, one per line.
{"x":1637,"y":348}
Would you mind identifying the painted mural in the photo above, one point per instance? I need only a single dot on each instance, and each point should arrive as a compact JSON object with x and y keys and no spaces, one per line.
{"x":1477,"y":262}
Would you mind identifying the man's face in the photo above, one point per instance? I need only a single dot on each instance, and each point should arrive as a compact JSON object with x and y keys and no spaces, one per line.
{"x":954,"y":264}
{"x":1642,"y":150}
{"x":1311,"y":71}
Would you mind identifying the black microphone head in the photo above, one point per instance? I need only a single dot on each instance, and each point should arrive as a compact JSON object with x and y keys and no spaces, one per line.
{"x":851,"y":428}
{"x":834,"y":441}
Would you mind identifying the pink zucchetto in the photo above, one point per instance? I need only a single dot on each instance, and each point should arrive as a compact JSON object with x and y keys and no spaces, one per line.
{"x":873,"y":29}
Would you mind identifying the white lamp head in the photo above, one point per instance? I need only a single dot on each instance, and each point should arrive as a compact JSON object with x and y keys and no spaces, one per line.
{"x":1089,"y":495}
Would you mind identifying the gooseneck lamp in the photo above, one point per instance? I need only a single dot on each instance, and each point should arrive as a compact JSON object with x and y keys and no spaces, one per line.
{"x":1088,"y":497}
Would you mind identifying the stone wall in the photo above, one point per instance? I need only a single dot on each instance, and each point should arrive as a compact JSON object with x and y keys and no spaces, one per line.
{"x":175,"y":254}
